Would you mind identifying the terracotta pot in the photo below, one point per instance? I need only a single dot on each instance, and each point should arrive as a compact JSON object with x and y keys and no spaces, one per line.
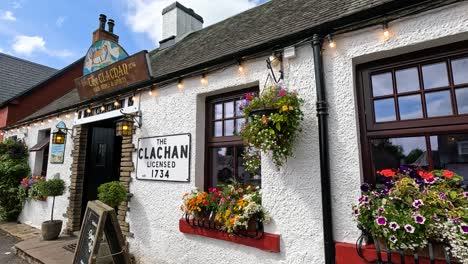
{"x":51,"y":229}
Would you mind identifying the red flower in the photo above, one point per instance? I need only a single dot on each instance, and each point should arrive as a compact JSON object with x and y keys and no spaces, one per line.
{"x":448,"y":174}
{"x":248,"y":97}
{"x":426,"y":175}
{"x":387,"y":173}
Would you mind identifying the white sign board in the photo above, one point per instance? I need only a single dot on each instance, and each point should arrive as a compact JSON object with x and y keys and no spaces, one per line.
{"x":164,"y":158}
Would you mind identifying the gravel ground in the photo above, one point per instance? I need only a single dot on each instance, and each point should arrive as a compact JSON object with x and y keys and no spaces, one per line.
{"x":6,"y":253}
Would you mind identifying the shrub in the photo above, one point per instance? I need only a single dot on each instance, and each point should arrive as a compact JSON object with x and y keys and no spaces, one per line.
{"x":53,"y":187}
{"x":112,"y":193}
{"x":13,"y":167}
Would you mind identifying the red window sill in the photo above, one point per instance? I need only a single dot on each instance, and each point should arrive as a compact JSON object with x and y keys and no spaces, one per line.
{"x":269,"y":242}
{"x":346,"y":253}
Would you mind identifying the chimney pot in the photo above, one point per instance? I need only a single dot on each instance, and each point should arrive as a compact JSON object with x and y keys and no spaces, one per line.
{"x":102,"y":21}
{"x":111,"y":25}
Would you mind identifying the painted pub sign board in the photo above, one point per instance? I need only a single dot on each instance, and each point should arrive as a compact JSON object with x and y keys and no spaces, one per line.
{"x":164,"y":158}
{"x":100,"y":219}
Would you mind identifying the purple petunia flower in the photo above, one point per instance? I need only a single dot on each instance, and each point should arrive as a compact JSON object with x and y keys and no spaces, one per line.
{"x":381,"y":210}
{"x":404,"y":168}
{"x":465,"y":194}
{"x":385,"y":230}
{"x":456,"y":220}
{"x":365,"y":187}
{"x":394,"y":226}
{"x":419,"y":219}
{"x":464,"y":229}
{"x":393,"y":239}
{"x":429,"y":181}
{"x":442,"y":196}
{"x":356,"y":212}
{"x":436,"y":218}
{"x":409,"y":228}
{"x":381,"y":220}
{"x":417,"y":203}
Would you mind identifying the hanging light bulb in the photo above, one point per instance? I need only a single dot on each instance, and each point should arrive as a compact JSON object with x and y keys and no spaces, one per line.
{"x":386,"y":33}
{"x":76,"y":113}
{"x":28,"y":127}
{"x":204,"y":80}
{"x":116,"y":103}
{"x":150,"y":92}
{"x":57,"y":118}
{"x":331,"y":42}
{"x":88,"y":110}
{"x":35,"y":124}
{"x":42,"y":122}
{"x":180,"y":85}
{"x":67,"y":116}
{"x":103,"y":108}
{"x":240,"y":68}
{"x":133,"y":98}
{"x":50,"y":120}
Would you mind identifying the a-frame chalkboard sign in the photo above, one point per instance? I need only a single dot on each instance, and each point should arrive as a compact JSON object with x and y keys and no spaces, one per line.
{"x":100,"y":219}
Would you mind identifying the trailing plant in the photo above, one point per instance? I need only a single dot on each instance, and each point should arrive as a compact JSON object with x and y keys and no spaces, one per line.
{"x":13,"y":167}
{"x":273,"y":132}
{"x":51,"y":188}
{"x":410,"y":207}
{"x":112,"y":193}
{"x":28,"y":188}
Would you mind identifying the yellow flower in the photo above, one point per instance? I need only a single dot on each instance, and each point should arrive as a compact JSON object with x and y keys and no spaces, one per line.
{"x":227,"y":213}
{"x":291,"y":108}
{"x":241,"y":203}
{"x":284,"y":108}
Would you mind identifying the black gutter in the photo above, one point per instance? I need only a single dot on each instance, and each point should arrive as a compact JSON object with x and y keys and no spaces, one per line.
{"x":322,"y":114}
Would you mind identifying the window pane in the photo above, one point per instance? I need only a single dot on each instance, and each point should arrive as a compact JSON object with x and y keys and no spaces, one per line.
{"x":218,"y":111}
{"x":460,"y":71}
{"x":228,"y":109}
{"x":435,"y":75}
{"x":407,"y":80}
{"x":450,"y":152}
{"x":410,"y":107}
{"x":438,"y":104}
{"x":382,"y":84}
{"x":394,"y":152}
{"x":244,"y":176}
{"x":462,"y":100}
{"x":218,"y":129}
{"x":240,"y":107}
{"x":239,"y":123}
{"x":222,"y":165}
{"x":229,"y":128}
{"x":384,"y":110}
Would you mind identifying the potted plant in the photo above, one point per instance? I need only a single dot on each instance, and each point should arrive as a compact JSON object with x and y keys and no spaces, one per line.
{"x":112,"y":193}
{"x":51,"y":188}
{"x":273,"y":121}
{"x":410,"y":207}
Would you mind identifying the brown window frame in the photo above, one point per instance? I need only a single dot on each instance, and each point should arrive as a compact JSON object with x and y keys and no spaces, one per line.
{"x":369,"y":129}
{"x":224,"y":141}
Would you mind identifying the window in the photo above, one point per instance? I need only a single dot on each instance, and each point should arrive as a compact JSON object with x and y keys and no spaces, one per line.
{"x":414,"y":111}
{"x":42,"y":153}
{"x":224,"y":147}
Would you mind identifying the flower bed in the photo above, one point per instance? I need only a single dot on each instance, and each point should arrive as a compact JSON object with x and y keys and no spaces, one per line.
{"x":410,"y":207}
{"x":28,"y":188}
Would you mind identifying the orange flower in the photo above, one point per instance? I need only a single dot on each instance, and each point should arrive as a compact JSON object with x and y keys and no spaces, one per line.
{"x":448,"y":174}
{"x":387,"y":173}
{"x":426,"y":174}
{"x":264,"y":119}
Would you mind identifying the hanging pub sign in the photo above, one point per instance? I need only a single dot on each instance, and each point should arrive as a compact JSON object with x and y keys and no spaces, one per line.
{"x":118,"y":75}
{"x":164,"y":158}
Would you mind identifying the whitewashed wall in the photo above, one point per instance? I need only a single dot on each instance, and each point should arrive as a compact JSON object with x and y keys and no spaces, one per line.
{"x":36,"y":212}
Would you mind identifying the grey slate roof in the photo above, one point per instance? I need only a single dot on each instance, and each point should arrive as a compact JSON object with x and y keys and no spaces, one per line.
{"x":18,"y":75}
{"x":256,"y":29}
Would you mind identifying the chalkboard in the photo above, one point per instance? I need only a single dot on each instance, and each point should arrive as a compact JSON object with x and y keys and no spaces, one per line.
{"x":100,"y":219}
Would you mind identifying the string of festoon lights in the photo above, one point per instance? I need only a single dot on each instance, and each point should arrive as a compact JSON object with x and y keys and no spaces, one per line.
{"x":153,"y":90}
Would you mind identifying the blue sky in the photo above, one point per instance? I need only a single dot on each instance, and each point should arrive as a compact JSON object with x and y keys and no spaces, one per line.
{"x":56,"y":32}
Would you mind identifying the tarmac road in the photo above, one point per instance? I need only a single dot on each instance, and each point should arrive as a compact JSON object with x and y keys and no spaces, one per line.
{"x":6,"y":254}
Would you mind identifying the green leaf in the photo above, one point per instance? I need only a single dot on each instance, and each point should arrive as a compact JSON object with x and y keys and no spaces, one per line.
{"x":278,"y":126}
{"x":453,"y":194}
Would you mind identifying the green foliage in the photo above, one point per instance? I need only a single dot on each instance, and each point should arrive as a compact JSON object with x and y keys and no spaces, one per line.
{"x":275,"y":132}
{"x":53,"y":187}
{"x":13,"y":167}
{"x":112,"y":193}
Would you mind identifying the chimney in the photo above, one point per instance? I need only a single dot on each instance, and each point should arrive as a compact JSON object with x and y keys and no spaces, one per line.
{"x":101,"y":33}
{"x":178,"y":21}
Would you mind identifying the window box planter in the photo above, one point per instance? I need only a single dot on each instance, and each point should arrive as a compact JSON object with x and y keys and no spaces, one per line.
{"x":267,"y":242}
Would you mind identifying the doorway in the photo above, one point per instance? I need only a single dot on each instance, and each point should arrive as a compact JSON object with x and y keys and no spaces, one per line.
{"x":102,"y":159}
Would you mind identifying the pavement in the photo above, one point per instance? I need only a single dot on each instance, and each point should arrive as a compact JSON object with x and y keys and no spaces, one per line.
{"x":7,"y":255}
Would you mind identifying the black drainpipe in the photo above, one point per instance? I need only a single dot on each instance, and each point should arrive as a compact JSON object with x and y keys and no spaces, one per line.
{"x":322,"y":113}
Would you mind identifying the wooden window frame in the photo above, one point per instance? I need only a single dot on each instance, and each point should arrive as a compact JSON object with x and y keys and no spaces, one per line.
{"x":223,"y":141}
{"x":369,"y":129}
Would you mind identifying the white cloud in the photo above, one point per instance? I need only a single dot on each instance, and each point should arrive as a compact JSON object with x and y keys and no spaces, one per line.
{"x":7,"y":15}
{"x":145,"y":16}
{"x":26,"y":45}
{"x":16,"y":3}
{"x":59,"y":21}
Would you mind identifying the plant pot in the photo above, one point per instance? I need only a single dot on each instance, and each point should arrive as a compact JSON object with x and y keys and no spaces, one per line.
{"x":51,"y":229}
{"x":263,"y":111}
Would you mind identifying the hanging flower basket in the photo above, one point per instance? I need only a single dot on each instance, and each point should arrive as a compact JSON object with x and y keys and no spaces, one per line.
{"x":274,"y":118}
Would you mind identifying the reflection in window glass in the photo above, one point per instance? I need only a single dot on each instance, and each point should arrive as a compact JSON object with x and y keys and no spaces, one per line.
{"x":218,"y":111}
{"x":410,"y":107}
{"x":229,"y":127}
{"x":394,"y":152}
{"x":244,"y":176}
{"x":382,"y":84}
{"x":101,"y":154}
{"x":462,"y":100}
{"x":460,"y":71}
{"x":229,"y":109}
{"x":435,"y":75}
{"x":222,"y":165}
{"x":438,"y":104}
{"x":239,"y":107}
{"x":384,"y":110}
{"x":407,"y":80}
{"x":239,"y":123}
{"x":218,"y":129}
{"x":451,"y":152}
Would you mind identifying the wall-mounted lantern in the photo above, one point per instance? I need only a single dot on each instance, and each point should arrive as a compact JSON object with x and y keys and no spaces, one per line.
{"x":59,"y":136}
{"x":125,"y":126}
